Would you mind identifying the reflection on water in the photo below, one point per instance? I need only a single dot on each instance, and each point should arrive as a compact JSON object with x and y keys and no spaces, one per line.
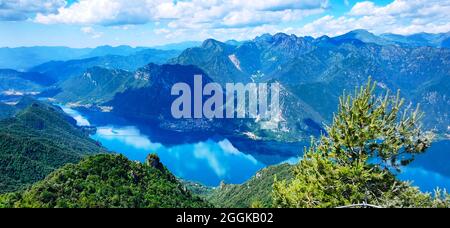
{"x":81,"y":120}
{"x":208,"y":162}
{"x":128,"y":135}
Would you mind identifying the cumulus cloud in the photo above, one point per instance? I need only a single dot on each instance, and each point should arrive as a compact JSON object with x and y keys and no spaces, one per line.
{"x":178,"y":20}
{"x":91,"y":32}
{"x":104,"y":12}
{"x":18,"y":10}
{"x":400,"y":16}
{"x":184,"y":14}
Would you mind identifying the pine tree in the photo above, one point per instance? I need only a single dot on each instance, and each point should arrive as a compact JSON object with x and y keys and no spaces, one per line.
{"x":370,"y":126}
{"x":370,"y":139}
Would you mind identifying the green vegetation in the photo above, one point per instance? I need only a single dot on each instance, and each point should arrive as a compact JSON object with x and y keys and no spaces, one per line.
{"x":257,"y":192}
{"x":107,"y":181}
{"x":196,"y":188}
{"x":369,"y":140}
{"x":38,"y":140}
{"x":354,"y":165}
{"x":369,"y":126}
{"x":96,"y":85}
{"x":15,"y":81}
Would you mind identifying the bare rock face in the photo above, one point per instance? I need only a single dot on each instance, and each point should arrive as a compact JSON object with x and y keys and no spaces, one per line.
{"x":154,"y":161}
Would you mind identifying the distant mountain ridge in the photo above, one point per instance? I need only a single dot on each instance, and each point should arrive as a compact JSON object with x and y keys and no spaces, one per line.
{"x":364,"y":36}
{"x":96,"y":85}
{"x":62,"y":70}
{"x":151,"y":102}
{"x":48,"y":77}
{"x":317,"y":71}
{"x":23,"y":58}
{"x":441,"y":40}
{"x":18,"y":83}
{"x":133,"y":95}
{"x":313,"y":73}
{"x":178,"y":46}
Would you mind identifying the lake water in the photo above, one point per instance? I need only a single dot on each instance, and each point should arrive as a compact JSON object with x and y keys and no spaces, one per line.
{"x":432,"y":169}
{"x":210,"y":161}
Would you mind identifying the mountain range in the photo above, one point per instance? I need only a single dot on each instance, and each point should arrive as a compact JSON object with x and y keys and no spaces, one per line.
{"x":23,"y":58}
{"x":49,"y":161}
{"x":317,"y":71}
{"x":13,"y":82}
{"x":62,"y":70}
{"x":313,"y":73}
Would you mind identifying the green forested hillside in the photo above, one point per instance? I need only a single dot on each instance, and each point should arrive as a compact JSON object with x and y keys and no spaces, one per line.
{"x":107,"y":181}
{"x":96,"y":85}
{"x":38,"y":140}
{"x":14,"y":81}
{"x":255,"y":192}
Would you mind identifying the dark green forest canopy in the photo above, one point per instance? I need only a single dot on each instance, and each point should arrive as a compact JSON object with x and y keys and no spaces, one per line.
{"x":107,"y":181}
{"x":258,"y":190}
{"x":38,"y":140}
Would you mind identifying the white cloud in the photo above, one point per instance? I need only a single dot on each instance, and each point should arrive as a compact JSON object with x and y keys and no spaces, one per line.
{"x":400,"y":16}
{"x":223,"y":34}
{"x":81,"y":121}
{"x":91,"y":32}
{"x":227,"y":147}
{"x":130,"y":136}
{"x":17,"y":10}
{"x":184,"y":14}
{"x":246,"y":18}
{"x":203,"y":152}
{"x":363,"y":8}
{"x":181,"y":20}
{"x":87,"y":30}
{"x":105,"y":12}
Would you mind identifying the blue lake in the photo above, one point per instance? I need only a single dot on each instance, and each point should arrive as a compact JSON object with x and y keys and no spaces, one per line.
{"x":430,"y":170}
{"x":208,"y":162}
{"x":214,"y":159}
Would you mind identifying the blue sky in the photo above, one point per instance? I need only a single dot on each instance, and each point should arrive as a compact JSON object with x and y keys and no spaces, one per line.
{"x":90,"y":23}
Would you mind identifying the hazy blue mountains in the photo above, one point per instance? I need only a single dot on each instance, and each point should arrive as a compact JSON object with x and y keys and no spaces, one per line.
{"x":23,"y":58}
{"x":62,"y":70}
{"x":313,"y":73}
{"x":15,"y":83}
{"x":441,"y":40}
